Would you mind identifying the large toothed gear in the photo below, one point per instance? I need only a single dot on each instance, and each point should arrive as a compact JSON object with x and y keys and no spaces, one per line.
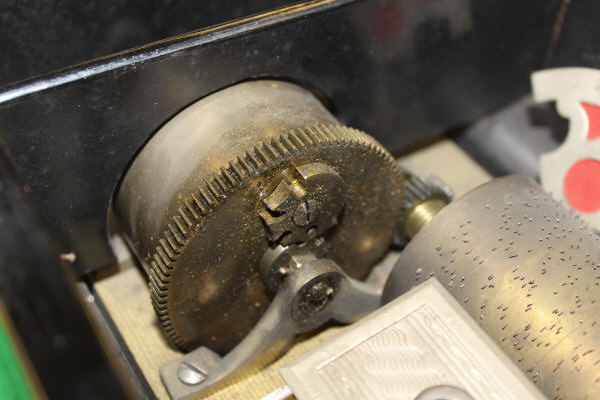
{"x":258,"y":164}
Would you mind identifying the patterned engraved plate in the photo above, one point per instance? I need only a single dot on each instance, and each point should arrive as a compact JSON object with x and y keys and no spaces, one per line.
{"x":416,"y":344}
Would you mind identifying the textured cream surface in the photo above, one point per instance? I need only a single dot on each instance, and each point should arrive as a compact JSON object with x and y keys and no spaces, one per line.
{"x":125,"y":294}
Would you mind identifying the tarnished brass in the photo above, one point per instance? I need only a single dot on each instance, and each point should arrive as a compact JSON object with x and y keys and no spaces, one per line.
{"x":527,"y":270}
{"x":247,"y":168}
{"x":302,"y":203}
{"x":422,"y":214}
{"x":424,"y":197}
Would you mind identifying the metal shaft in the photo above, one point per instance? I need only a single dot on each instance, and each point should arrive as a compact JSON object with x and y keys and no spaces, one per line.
{"x":421,"y":215}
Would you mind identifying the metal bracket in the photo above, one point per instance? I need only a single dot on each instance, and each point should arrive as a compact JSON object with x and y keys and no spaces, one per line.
{"x":314,"y":292}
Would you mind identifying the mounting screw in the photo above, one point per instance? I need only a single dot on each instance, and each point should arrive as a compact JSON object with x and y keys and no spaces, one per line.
{"x":191,"y":374}
{"x":319,"y":295}
{"x":307,"y":212}
{"x":316,"y":295}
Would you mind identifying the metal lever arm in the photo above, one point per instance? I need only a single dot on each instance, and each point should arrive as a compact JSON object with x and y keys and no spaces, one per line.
{"x":308,"y":297}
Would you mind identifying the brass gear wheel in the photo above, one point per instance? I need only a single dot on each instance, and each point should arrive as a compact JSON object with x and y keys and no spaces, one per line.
{"x":252,"y":166}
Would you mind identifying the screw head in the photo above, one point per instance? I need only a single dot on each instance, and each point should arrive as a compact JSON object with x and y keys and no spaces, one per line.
{"x":319,"y":294}
{"x":307,"y":212}
{"x":191,"y":374}
{"x":316,"y":295}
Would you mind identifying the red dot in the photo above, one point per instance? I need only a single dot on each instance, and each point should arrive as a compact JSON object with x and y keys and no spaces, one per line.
{"x":582,"y":186}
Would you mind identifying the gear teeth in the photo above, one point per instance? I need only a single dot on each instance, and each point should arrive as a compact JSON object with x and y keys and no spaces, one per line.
{"x":157,"y":280}
{"x":162,"y":312}
{"x":327,"y":133}
{"x":339,"y":136}
{"x":160,"y":269}
{"x":286,"y":145}
{"x":168,"y":249}
{"x":166,"y":260}
{"x":222,"y":185}
{"x":300,"y":136}
{"x":200,"y":204}
{"x":311,"y":136}
{"x":261,"y":157}
{"x":214,"y":190}
{"x":157,"y":302}
{"x":158,"y":305}
{"x":207,"y":196}
{"x":295,"y":140}
{"x":418,"y":188}
{"x":246,"y":167}
{"x":170,"y":238}
{"x":317,"y":135}
{"x":230,"y":179}
{"x":179,"y":342}
{"x":181,"y":225}
{"x":278,"y":150}
{"x":158,"y":299}
{"x":237,"y":171}
{"x":162,"y":317}
{"x":160,"y":292}
{"x":357,"y":135}
{"x":269,"y":153}
{"x":176,"y":233}
{"x":186,"y":215}
{"x":253,"y":163}
{"x":192,"y":209}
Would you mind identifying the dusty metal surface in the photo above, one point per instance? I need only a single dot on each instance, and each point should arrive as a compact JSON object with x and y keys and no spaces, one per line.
{"x":526,"y":269}
{"x":125,"y":294}
{"x":193,"y":204}
{"x":316,"y":291}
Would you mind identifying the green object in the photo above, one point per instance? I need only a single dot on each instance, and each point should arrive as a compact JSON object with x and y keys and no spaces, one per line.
{"x":15,"y":384}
